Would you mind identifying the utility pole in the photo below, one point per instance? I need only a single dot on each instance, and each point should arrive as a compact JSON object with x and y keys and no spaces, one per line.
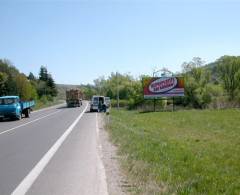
{"x":154,"y":100}
{"x":117,"y":90}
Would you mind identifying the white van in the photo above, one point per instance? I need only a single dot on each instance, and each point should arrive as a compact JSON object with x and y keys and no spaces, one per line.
{"x":96,"y":103}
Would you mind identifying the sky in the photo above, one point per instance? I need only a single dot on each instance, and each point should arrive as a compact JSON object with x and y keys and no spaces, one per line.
{"x":81,"y":40}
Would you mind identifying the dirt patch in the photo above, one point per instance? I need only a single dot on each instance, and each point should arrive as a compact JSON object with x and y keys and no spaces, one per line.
{"x":116,"y":180}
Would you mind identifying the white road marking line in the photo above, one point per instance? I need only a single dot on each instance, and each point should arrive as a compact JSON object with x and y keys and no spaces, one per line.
{"x":27,"y":182}
{"x":97,"y":128}
{"x":102,"y":172}
{"x":6,"y":131}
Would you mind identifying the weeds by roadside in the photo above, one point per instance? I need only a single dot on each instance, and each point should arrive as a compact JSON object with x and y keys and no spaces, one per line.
{"x":186,"y":152}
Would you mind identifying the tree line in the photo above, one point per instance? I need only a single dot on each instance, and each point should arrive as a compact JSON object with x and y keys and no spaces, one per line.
{"x":13,"y":82}
{"x":214,"y":85}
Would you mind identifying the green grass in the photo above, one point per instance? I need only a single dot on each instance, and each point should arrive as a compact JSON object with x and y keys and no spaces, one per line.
{"x":41,"y":105}
{"x":184,"y":152}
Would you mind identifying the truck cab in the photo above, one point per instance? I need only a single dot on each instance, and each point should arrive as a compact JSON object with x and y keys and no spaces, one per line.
{"x":10,"y":107}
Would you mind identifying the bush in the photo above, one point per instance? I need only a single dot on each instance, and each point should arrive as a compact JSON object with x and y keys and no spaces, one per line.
{"x":122,"y":103}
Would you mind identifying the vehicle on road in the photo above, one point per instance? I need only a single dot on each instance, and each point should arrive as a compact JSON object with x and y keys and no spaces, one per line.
{"x":12,"y":107}
{"x":74,"y":98}
{"x":99,"y":103}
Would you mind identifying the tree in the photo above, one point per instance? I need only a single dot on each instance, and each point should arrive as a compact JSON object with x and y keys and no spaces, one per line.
{"x":88,"y":91}
{"x":196,"y":83}
{"x":100,"y":84}
{"x":43,"y":74}
{"x":24,"y":88}
{"x":8,"y":69}
{"x":31,"y":77}
{"x":46,"y":85}
{"x":41,"y":88}
{"x":12,"y":82}
{"x":52,"y":89}
{"x":3,"y":83}
{"x":229,"y":72}
{"x":196,"y":62}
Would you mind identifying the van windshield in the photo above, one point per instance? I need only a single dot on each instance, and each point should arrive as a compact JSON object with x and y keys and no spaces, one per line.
{"x":8,"y":101}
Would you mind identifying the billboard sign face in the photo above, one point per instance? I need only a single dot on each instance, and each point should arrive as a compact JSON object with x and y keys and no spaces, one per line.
{"x":155,"y":87}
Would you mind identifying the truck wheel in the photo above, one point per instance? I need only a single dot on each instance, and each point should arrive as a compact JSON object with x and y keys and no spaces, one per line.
{"x":27,"y":112}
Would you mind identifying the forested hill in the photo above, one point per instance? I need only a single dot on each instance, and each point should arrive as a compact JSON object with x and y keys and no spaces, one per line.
{"x":13,"y":82}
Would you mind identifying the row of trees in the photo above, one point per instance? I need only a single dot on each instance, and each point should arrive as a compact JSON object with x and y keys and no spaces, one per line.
{"x":12,"y":82}
{"x":125,"y":86}
{"x":212,"y":85}
{"x":216,"y":84}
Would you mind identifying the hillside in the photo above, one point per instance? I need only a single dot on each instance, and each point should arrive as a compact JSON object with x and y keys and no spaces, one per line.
{"x":212,"y":67}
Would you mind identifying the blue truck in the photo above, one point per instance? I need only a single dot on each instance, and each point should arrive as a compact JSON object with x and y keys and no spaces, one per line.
{"x":12,"y":107}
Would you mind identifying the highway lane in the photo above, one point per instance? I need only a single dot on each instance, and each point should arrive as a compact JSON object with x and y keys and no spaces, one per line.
{"x":7,"y":124}
{"x":76,"y":168}
{"x":24,"y":146}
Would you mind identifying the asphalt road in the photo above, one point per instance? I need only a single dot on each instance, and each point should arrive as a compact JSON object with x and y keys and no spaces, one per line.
{"x":55,"y":151}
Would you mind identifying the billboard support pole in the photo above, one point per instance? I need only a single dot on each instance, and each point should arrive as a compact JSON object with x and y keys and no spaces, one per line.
{"x":173,"y":104}
{"x":154,"y":100}
{"x":154,"y":105}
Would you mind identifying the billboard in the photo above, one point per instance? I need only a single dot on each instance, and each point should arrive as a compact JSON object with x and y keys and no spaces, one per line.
{"x":156,"y":87}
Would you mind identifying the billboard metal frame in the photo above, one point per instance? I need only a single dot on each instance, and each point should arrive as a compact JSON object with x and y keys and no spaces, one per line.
{"x":163,"y":88}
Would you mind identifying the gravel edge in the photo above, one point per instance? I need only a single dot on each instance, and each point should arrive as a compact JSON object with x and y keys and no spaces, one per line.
{"x":116,"y":180}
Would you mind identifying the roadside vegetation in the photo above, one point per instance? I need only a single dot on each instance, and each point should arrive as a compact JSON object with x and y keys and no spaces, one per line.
{"x":183,"y":152}
{"x":42,"y":89}
{"x":215,"y":85}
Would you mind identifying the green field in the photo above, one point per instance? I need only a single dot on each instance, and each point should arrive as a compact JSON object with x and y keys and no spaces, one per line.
{"x":41,"y":105}
{"x":184,"y":152}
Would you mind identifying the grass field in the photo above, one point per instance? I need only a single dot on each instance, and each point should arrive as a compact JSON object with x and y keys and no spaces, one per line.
{"x":184,"y":152}
{"x":41,"y":105}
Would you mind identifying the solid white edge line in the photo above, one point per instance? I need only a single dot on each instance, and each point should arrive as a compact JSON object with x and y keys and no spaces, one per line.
{"x":103,"y":190}
{"x":27,"y":182}
{"x":22,"y":125}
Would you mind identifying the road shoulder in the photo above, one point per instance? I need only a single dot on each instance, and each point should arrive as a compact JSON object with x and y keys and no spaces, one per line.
{"x":116,"y":180}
